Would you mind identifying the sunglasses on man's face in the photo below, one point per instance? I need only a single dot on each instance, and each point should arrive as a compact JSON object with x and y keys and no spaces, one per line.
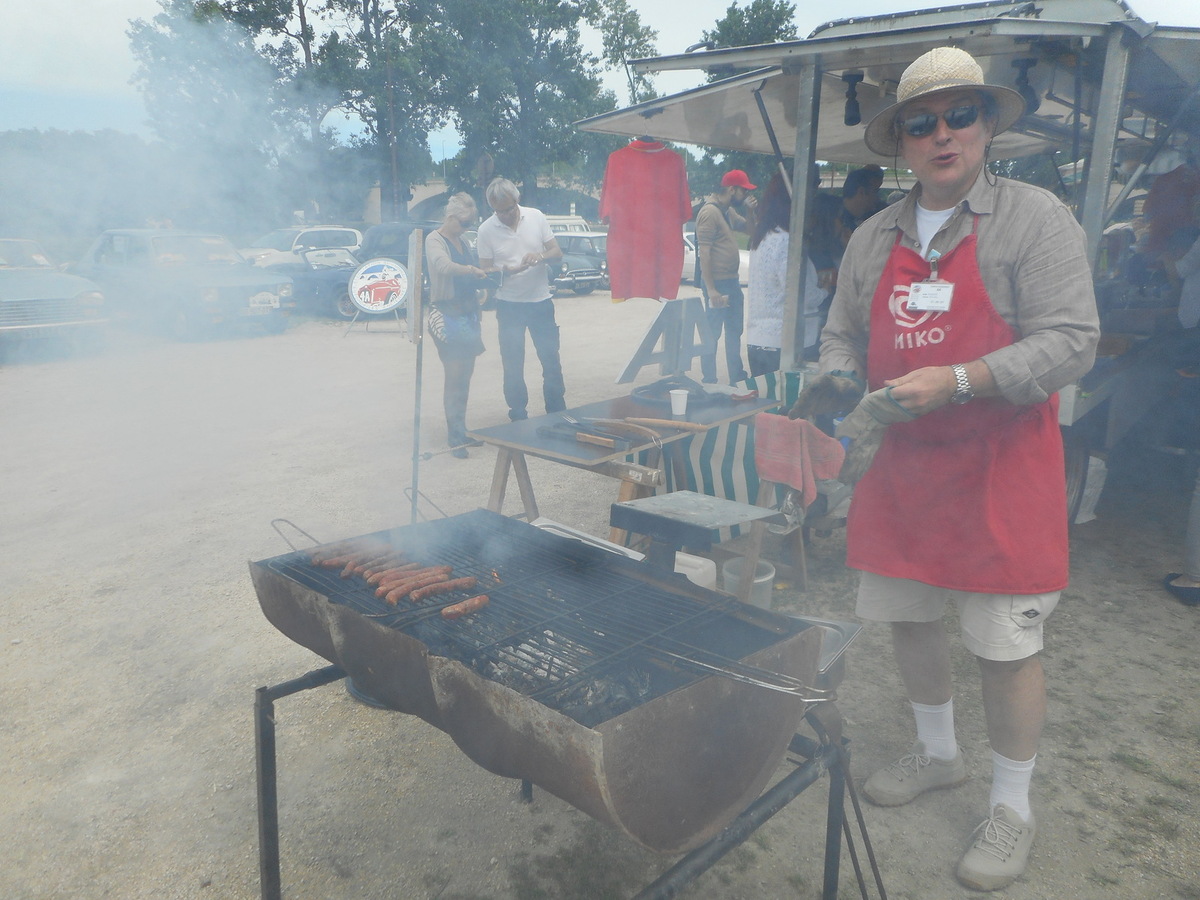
{"x":923,"y":124}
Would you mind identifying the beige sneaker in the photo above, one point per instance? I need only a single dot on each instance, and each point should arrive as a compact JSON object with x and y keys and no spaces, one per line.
{"x":912,"y":775}
{"x":1000,"y":850}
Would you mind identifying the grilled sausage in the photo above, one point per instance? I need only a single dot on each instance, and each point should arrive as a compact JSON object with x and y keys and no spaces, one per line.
{"x":380,"y":574}
{"x":465,"y":607}
{"x":402,"y":590}
{"x":375,"y":560}
{"x":348,"y":557}
{"x":407,"y":578}
{"x":341,"y":548}
{"x":445,"y":587}
{"x":390,"y":561}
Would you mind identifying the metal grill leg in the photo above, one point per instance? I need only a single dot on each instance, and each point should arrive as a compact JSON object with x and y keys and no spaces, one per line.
{"x":268,"y":796}
{"x":834,"y":817}
{"x":270,"y":884}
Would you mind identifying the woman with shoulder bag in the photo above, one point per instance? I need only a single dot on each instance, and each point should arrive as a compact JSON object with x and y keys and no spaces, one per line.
{"x":454,"y":321}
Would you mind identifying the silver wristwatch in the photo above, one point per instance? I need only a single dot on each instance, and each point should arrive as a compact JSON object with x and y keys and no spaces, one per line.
{"x":962,"y":385}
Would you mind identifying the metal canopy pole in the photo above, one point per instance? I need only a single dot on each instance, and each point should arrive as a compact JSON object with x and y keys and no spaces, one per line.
{"x":779,"y":161}
{"x":808,"y":101}
{"x":1160,"y":140}
{"x":1106,"y":124}
{"x":416,"y":333}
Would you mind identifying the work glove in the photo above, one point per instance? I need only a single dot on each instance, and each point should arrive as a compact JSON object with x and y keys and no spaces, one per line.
{"x":828,"y":394}
{"x":864,"y":426}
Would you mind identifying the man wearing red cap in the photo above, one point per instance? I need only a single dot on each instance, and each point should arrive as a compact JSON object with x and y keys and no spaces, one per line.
{"x":718,"y":253}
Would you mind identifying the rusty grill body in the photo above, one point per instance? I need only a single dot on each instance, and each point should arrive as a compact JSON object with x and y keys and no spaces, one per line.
{"x":575,"y":677}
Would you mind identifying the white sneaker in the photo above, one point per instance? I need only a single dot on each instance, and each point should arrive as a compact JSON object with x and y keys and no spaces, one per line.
{"x":912,"y":775}
{"x":999,"y":852}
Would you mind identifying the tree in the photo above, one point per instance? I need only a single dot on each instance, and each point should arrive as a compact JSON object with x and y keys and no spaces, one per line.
{"x":211,"y":99}
{"x":759,"y":22}
{"x":387,"y":70}
{"x":365,"y":57}
{"x":516,"y":77}
{"x":626,"y":38}
{"x":296,"y":57}
{"x":310,"y":61}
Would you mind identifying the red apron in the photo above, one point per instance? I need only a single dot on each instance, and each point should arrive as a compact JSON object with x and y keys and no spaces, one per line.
{"x":970,"y":497}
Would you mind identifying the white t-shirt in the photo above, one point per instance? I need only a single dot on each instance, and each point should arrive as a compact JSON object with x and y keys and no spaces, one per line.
{"x":768,"y":279}
{"x":507,"y":247}
{"x":928,"y":223}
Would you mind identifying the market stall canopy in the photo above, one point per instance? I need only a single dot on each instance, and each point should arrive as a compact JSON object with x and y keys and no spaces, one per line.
{"x":1055,"y":47}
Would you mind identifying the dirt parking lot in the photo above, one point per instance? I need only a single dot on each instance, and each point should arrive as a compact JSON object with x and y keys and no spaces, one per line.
{"x":139,"y":481}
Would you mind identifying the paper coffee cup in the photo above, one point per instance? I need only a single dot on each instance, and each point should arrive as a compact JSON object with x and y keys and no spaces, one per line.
{"x":679,"y":402}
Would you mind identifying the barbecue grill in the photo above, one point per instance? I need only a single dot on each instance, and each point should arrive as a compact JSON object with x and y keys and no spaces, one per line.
{"x":652,"y":704}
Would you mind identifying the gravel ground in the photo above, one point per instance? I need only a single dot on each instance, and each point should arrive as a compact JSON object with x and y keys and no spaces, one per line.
{"x":140,"y":480}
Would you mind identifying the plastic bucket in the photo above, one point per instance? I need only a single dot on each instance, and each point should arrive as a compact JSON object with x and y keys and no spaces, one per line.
{"x":699,"y":571}
{"x":764,"y":580}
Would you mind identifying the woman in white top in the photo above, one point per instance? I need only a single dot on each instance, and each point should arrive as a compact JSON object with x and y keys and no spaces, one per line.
{"x":768,"y":279}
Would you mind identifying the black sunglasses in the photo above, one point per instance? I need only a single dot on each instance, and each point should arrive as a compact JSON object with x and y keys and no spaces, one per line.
{"x":922,"y":125}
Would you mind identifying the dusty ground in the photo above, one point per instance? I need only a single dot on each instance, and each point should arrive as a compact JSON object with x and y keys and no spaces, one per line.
{"x":137,"y":484}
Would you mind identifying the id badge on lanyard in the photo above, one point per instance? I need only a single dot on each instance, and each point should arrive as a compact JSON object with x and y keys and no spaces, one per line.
{"x":932,"y":294}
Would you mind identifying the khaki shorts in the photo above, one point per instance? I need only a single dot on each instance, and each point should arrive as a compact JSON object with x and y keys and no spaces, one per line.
{"x":999,"y":627}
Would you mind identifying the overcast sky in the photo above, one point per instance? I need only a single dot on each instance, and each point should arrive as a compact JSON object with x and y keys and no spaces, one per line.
{"x":66,"y":63}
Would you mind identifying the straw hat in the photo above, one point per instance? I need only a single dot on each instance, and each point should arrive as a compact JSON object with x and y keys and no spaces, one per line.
{"x":941,"y":69}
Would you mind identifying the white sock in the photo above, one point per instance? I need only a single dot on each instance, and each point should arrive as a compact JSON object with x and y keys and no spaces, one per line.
{"x":935,"y":729}
{"x":1010,"y":783}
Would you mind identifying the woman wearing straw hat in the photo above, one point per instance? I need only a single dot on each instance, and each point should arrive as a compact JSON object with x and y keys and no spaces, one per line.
{"x":961,"y":310}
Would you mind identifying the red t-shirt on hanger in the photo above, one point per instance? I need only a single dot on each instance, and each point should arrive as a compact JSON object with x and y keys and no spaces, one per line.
{"x":646,"y":200}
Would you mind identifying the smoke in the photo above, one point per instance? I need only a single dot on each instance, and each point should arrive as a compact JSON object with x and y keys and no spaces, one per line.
{"x":232,"y":152}
{"x":241,"y":153}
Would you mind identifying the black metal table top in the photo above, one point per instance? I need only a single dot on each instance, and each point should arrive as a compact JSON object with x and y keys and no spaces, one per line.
{"x":524,"y":436}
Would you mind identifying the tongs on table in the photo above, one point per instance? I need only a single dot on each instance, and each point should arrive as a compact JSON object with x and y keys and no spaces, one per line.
{"x":585,"y":434}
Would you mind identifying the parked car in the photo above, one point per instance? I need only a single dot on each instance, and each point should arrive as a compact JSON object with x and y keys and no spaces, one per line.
{"x":38,"y":298}
{"x":691,"y":269}
{"x":321,"y":284}
{"x":561,"y":224}
{"x":576,"y":272}
{"x":390,"y":240}
{"x":590,"y":244}
{"x":284,"y":246}
{"x":322,"y":277}
{"x":186,"y":282}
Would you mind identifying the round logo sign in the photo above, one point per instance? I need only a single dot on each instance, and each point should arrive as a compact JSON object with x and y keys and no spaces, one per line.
{"x":379,"y":285}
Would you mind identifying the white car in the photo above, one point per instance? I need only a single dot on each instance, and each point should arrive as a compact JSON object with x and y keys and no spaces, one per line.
{"x":691,"y":274}
{"x":562,"y":224}
{"x":286,"y":246}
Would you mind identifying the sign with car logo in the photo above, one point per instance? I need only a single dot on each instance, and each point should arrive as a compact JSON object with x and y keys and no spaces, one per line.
{"x":379,"y":285}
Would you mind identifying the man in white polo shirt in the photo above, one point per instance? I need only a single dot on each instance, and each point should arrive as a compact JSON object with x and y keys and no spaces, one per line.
{"x":517,"y":241}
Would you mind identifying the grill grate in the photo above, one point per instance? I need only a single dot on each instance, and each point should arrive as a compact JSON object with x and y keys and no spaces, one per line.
{"x":568,"y":624}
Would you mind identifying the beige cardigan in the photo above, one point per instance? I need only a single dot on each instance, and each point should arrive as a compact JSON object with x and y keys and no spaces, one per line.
{"x":442,"y":269}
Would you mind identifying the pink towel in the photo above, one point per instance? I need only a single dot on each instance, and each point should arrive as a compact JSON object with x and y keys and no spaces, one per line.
{"x":795,"y":452}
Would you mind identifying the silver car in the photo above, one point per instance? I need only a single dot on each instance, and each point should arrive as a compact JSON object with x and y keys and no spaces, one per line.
{"x":38,"y":298}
